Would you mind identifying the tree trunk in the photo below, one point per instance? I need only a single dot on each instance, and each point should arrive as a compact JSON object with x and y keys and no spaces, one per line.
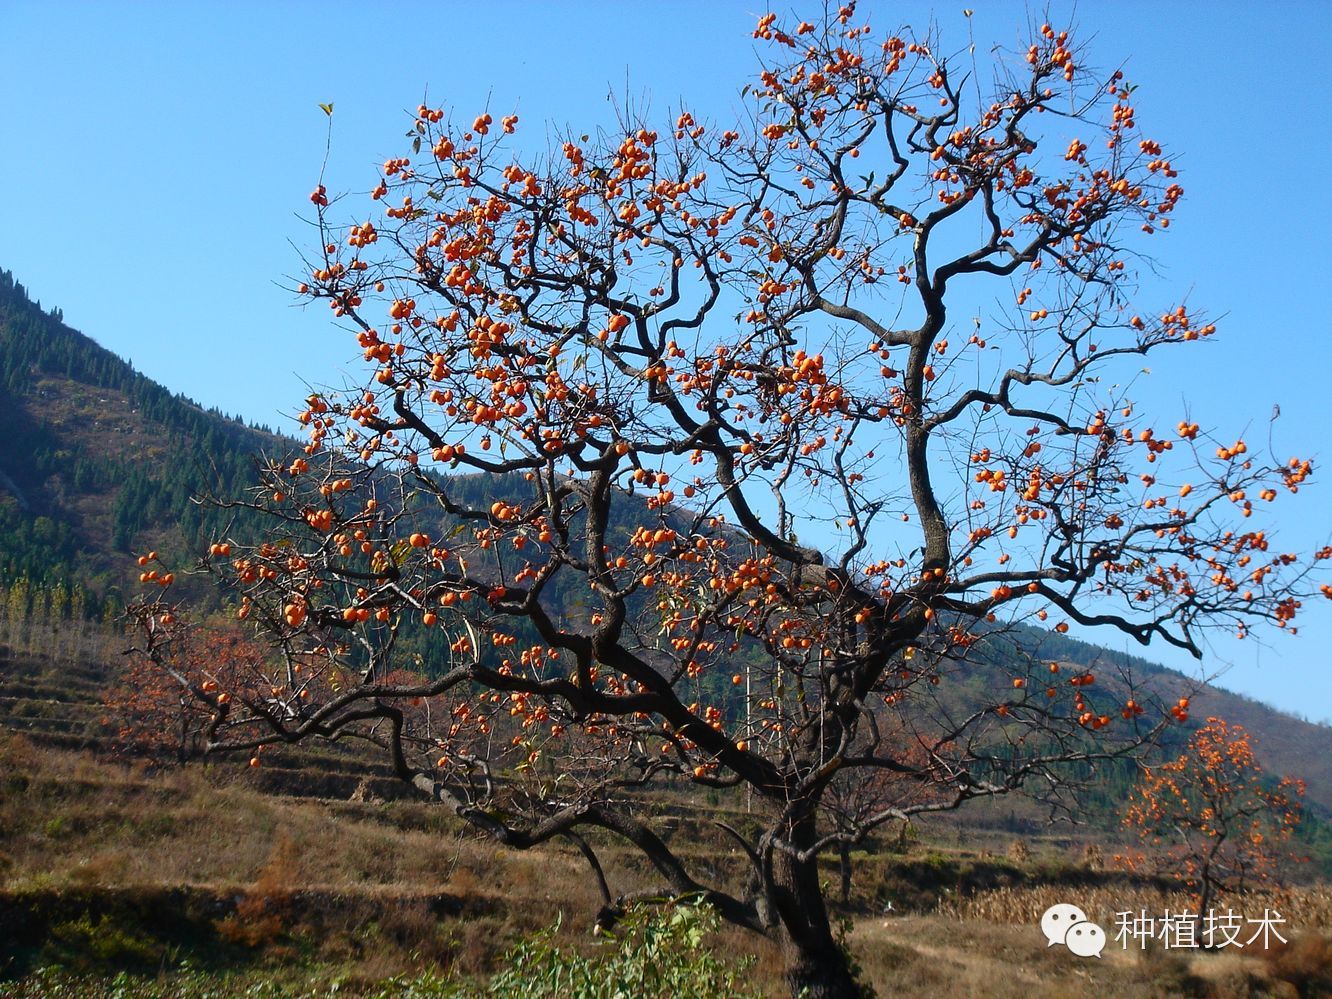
{"x":1206,"y":892}
{"x":815,"y":966}
{"x":844,"y":859}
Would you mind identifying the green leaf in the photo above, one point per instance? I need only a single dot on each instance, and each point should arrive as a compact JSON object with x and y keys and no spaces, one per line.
{"x":327,"y":108}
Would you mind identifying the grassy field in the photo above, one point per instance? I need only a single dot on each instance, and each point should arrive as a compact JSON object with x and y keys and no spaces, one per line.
{"x":316,"y":875}
{"x":108,"y":868}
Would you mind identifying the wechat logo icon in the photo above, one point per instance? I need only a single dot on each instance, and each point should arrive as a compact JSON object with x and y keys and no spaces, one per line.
{"x":1068,"y":925}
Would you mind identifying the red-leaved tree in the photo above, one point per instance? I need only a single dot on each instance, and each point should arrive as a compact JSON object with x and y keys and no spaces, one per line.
{"x":772,"y":428}
{"x":1213,"y":816}
{"x":152,"y":707}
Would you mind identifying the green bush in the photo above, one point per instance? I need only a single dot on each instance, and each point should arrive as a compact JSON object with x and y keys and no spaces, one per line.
{"x":83,"y":941}
{"x":650,"y":953}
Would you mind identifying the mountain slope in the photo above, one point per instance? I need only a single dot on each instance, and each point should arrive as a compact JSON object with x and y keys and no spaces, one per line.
{"x":97,"y":459}
{"x":1286,"y":745}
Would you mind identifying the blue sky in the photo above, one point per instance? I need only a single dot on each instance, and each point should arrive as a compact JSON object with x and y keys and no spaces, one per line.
{"x":158,"y":159}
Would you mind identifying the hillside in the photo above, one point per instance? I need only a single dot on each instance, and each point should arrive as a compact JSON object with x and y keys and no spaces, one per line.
{"x":100,"y":461}
{"x":1286,"y":745}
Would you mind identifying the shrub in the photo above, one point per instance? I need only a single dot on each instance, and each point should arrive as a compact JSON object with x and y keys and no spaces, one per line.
{"x":650,"y":953}
{"x":1305,"y":962}
{"x":84,"y":941}
{"x":263,"y":912}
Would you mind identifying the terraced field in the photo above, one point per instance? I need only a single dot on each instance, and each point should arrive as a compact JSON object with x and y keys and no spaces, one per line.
{"x":319,"y":868}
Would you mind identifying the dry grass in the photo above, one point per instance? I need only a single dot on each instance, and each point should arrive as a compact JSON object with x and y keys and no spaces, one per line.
{"x":989,"y":944}
{"x":69,"y":820}
{"x":927,"y":956}
{"x":370,"y":889}
{"x":361,"y":892}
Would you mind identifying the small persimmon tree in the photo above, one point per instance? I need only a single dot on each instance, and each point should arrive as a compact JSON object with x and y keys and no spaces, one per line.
{"x":1213,"y":815}
{"x":152,"y":708}
{"x":757,"y":462}
{"x":855,"y":800}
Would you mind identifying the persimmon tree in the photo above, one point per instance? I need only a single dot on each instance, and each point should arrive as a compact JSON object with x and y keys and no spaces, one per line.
{"x":855,"y":800}
{"x":1215,"y":817}
{"x":152,"y":707}
{"x":713,"y":453}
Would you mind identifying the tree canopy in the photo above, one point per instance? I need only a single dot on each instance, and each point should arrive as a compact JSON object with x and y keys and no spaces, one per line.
{"x":777,"y":424}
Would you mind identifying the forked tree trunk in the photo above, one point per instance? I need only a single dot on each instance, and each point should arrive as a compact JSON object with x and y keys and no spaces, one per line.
{"x":815,"y":966}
